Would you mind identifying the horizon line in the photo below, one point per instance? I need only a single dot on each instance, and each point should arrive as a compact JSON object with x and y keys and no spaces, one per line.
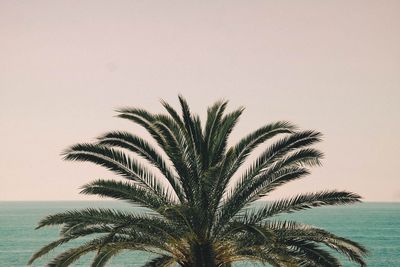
{"x":110,"y":200}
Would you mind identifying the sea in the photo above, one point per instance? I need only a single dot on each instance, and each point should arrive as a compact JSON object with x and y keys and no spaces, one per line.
{"x":375,"y":225}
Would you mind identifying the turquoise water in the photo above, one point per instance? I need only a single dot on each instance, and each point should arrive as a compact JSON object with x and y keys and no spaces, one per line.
{"x":376,"y":225}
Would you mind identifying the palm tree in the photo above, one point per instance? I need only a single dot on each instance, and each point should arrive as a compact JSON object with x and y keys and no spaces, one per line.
{"x":199,"y":204}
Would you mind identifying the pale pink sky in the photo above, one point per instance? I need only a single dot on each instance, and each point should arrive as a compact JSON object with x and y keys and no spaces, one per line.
{"x":333,"y":66}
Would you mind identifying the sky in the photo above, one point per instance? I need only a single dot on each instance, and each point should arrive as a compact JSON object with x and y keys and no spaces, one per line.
{"x":331,"y":66}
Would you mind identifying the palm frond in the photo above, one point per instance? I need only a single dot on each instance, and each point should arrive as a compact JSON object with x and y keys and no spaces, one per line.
{"x":278,"y":152}
{"x":139,"y":146}
{"x":244,"y":195}
{"x":194,"y":137}
{"x":247,"y":144}
{"x":124,"y":191}
{"x":219,"y":145}
{"x":121,"y":164}
{"x":237,"y":154}
{"x":144,"y":119}
{"x":314,"y":255}
{"x":49,"y":247}
{"x":352,"y":250}
{"x":104,"y":255}
{"x":182,"y":153}
{"x":214,"y":118}
{"x":275,"y":256}
{"x":71,"y":255}
{"x":160,"y":261}
{"x":169,"y":137}
{"x":90,"y":216}
{"x":300,"y":202}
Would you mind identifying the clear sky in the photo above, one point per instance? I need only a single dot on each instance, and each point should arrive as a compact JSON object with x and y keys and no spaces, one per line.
{"x":333,"y":66}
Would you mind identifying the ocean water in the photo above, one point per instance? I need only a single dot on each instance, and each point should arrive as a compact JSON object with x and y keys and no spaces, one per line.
{"x":376,"y":225}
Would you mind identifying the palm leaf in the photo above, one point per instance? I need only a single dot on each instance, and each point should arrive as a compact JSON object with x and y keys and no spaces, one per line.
{"x":145,"y":150}
{"x":121,"y":164}
{"x":300,"y":202}
{"x":161,"y":261}
{"x":103,"y":256}
{"x":124,"y":191}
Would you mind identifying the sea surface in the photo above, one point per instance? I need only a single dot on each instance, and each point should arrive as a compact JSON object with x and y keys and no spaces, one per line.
{"x":375,"y":225}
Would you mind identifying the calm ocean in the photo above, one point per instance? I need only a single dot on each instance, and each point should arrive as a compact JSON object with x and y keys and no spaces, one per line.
{"x":376,"y":225}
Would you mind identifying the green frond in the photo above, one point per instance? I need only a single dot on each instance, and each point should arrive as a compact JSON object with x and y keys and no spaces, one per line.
{"x":187,"y":116}
{"x":314,"y":255}
{"x":49,"y":247}
{"x":103,"y":256}
{"x":173,"y":113}
{"x":279,"y":164}
{"x":71,"y":255}
{"x":121,"y":164}
{"x":214,"y":118}
{"x":144,"y":119}
{"x":237,"y":154}
{"x":139,"y":146}
{"x":91,"y":216}
{"x":301,"y":202}
{"x":182,"y":153}
{"x":246,"y":193}
{"x":191,"y":123}
{"x":266,"y":183}
{"x":247,"y":144}
{"x":352,"y":250}
{"x":192,"y":136}
{"x":120,"y":228}
{"x":160,"y":261}
{"x":124,"y":191}
{"x":278,"y":152}
{"x":170,"y":138}
{"x":219,"y":143}
{"x":271,"y":254}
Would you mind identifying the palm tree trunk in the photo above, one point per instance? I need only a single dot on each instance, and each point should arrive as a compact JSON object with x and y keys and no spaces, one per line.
{"x":203,"y":255}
